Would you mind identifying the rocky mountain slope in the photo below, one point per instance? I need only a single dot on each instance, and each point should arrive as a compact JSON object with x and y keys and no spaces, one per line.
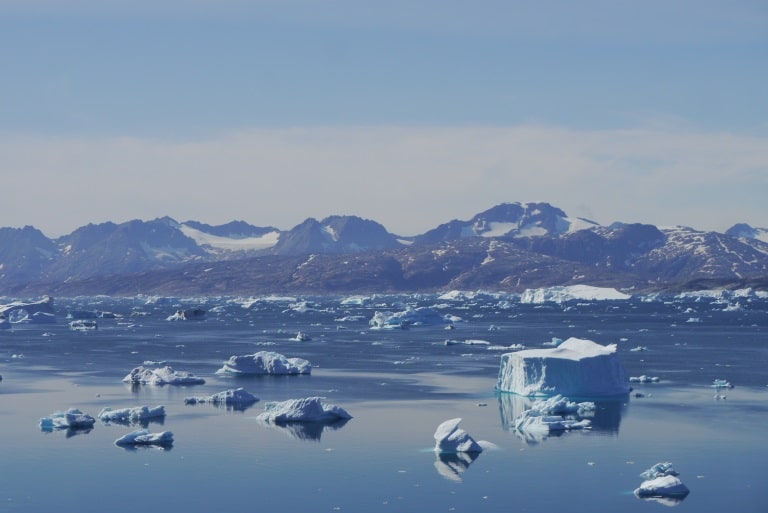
{"x":508,"y":247}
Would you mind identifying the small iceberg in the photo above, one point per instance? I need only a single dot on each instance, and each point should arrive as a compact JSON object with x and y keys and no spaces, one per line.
{"x":721,"y":383}
{"x":662,"y":484}
{"x":451,"y":439}
{"x":137,"y":415}
{"x":265,"y":362}
{"x":144,"y":437}
{"x":302,"y":337}
{"x":237,"y":398}
{"x":555,"y":414}
{"x":309,"y":409}
{"x":194,"y":314}
{"x":70,"y":419}
{"x":644,"y":379}
{"x":409,"y":317}
{"x":83,"y":325}
{"x":162,"y":376}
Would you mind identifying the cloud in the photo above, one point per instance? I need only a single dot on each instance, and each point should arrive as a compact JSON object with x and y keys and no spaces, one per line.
{"x":408,"y":178}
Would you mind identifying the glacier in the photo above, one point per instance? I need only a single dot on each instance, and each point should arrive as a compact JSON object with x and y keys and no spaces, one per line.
{"x":577,"y":367}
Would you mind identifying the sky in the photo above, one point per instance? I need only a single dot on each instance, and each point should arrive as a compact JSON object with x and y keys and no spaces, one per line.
{"x":410,"y":113}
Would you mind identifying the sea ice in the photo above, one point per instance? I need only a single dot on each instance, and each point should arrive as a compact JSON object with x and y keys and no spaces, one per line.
{"x":309,"y":409}
{"x":451,"y":439}
{"x":577,"y":367}
{"x":237,"y":397}
{"x":72,"y":419}
{"x":144,"y":437}
{"x":265,"y":362}
{"x":131,"y":415}
{"x":162,"y":376}
{"x":644,"y":379}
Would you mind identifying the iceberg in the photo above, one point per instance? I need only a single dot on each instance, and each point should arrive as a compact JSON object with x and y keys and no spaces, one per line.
{"x":144,"y":437}
{"x":70,"y":419}
{"x":577,"y":367}
{"x":137,"y":415}
{"x":410,"y":317}
{"x":451,"y":439}
{"x":265,"y":362}
{"x":195,"y":314}
{"x":661,"y":483}
{"x":162,"y":376}
{"x":309,"y":409}
{"x":562,"y":294}
{"x":27,"y":309}
{"x":238,"y":398}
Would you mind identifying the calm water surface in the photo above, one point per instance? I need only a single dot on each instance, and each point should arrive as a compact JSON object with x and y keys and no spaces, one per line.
{"x":399,"y":385}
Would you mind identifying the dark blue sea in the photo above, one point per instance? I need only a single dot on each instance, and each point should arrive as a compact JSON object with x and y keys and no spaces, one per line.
{"x":398,"y":385}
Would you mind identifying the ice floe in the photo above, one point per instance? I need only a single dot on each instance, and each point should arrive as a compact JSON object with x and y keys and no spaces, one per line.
{"x":577,"y":367}
{"x":308,"y":409}
{"x":137,"y":415}
{"x":70,"y":419}
{"x":265,"y":362}
{"x":237,"y":398}
{"x":144,"y":437}
{"x":162,"y":376}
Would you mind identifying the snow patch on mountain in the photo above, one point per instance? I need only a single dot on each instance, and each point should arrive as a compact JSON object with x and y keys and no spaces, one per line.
{"x":266,"y":241}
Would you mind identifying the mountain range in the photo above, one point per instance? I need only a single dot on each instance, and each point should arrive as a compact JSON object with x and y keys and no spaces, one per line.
{"x":509,"y":247}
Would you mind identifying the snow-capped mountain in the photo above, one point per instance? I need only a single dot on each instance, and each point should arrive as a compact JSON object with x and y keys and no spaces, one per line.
{"x":509,"y":220}
{"x":744,"y":231}
{"x":511,"y":247}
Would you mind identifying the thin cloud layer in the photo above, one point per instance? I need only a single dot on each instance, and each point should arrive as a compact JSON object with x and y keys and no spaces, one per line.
{"x":408,"y":178}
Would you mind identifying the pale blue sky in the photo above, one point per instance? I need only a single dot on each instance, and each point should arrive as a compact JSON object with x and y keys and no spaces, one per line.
{"x":409,"y":113}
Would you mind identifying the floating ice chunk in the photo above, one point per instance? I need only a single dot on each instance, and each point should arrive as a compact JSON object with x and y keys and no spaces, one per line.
{"x":560,"y":405}
{"x":639,"y":349}
{"x":265,"y":362}
{"x":162,"y":376}
{"x":644,"y":379}
{"x":450,"y":439}
{"x":309,"y":409}
{"x":194,"y":314}
{"x":302,"y":337}
{"x":721,"y":383}
{"x":532,"y":421}
{"x":132,"y":415}
{"x":577,"y":367}
{"x":561,"y":294}
{"x":83,"y":325}
{"x":237,"y":397}
{"x":468,"y":342}
{"x":144,"y":437}
{"x":71,"y":419}
{"x":664,"y":486}
{"x":410,"y":317}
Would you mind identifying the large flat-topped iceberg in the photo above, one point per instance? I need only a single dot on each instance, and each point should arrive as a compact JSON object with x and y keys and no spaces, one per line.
{"x":562,"y":294}
{"x":577,"y":368}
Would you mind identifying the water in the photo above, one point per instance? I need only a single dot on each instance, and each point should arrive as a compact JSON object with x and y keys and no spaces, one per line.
{"x":399,"y":385}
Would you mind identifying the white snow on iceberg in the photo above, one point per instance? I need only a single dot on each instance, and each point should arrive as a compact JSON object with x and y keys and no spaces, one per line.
{"x":562,"y":294}
{"x":450,"y":439}
{"x":662,"y":484}
{"x":144,"y":437}
{"x":265,"y":362}
{"x":135,"y":415}
{"x":162,"y":376}
{"x":70,"y":419}
{"x":309,"y":409}
{"x":577,"y":367}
